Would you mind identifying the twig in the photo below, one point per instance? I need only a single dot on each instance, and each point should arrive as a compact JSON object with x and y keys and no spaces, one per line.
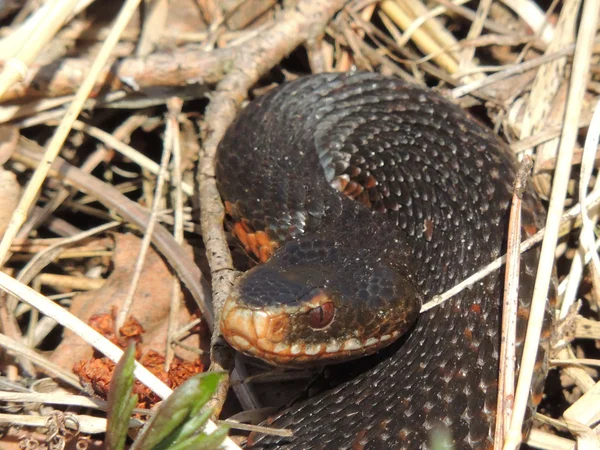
{"x":31,"y":355}
{"x":178,"y":68}
{"x":38,"y":217}
{"x":549,"y":76}
{"x":70,"y":282}
{"x":581,"y":257}
{"x":457,"y":8}
{"x":585,"y":411}
{"x":126,"y":150}
{"x":541,"y":439}
{"x":545,"y":103}
{"x":88,"y":334}
{"x":154,"y":21}
{"x":84,"y":423}
{"x":185,"y":329}
{"x":507,"y":360}
{"x":549,"y":132}
{"x":425,"y":41}
{"x":174,"y":106}
{"x":257,"y":428}
{"x":29,"y":41}
{"x":578,"y":375}
{"x":579,"y":362}
{"x":54,"y":398}
{"x":532,"y":15}
{"x":34,"y":185}
{"x":390,"y":44}
{"x":579,"y":74}
{"x":108,"y":195}
{"x":513,"y":70}
{"x":587,"y":237}
{"x":468,"y":53}
{"x":44,"y":257}
{"x":422,"y":19}
{"x":152,"y":221}
{"x":592,"y":200}
{"x":34,"y":108}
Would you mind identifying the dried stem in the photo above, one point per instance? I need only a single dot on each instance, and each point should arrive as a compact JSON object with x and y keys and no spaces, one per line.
{"x":579,"y":73}
{"x":58,"y":139}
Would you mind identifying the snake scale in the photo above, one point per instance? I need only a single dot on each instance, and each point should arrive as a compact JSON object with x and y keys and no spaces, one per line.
{"x":365,"y":196}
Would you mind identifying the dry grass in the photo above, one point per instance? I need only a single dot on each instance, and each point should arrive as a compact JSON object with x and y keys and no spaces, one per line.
{"x":110,"y":99}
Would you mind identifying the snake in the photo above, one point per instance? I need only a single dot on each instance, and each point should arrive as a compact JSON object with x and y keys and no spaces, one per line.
{"x":362,"y":196}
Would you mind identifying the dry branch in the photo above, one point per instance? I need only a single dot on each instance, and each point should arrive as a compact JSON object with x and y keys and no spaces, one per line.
{"x":295,"y":25}
{"x":178,"y":68}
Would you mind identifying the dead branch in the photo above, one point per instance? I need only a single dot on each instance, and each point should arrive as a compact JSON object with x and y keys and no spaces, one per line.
{"x":294,"y":26}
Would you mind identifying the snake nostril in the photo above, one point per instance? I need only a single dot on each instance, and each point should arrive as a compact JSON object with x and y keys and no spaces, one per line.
{"x":278,"y":328}
{"x":321,"y":316}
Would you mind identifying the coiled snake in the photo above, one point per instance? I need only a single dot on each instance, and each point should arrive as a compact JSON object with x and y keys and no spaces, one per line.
{"x":365,"y":196}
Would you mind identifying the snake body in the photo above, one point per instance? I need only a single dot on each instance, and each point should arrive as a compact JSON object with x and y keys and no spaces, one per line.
{"x":366,"y":195}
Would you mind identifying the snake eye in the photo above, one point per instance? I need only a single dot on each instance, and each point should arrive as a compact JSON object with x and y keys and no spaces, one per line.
{"x":321,"y":316}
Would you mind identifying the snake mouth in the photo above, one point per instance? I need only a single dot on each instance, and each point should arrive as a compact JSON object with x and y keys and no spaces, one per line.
{"x":267,"y":335}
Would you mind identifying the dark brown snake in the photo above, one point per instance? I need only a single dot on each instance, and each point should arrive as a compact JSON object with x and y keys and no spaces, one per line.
{"x":427,"y":195}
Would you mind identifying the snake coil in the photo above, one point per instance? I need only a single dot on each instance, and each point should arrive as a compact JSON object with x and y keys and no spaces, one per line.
{"x":366,"y":195}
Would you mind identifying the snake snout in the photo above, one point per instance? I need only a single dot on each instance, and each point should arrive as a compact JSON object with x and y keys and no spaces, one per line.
{"x":298,"y":316}
{"x":252,"y":331}
{"x":271,"y":331}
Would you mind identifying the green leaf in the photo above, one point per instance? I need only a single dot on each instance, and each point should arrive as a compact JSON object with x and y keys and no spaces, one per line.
{"x":187,"y":429}
{"x":172,"y":415}
{"x":120,"y":401}
{"x":203,"y":441}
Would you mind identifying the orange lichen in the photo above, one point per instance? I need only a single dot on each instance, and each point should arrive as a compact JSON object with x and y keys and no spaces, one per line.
{"x":104,"y":324}
{"x":97,"y":371}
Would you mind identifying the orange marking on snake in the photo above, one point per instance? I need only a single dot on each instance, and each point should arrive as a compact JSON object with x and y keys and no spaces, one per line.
{"x":229,"y":209}
{"x":364,"y":199}
{"x":246,"y":226}
{"x":343,"y":182}
{"x":428,"y":229}
{"x":523,"y":313}
{"x":546,"y":333}
{"x":468,"y":334}
{"x":356,"y":190}
{"x":265,"y":253}
{"x":530,"y":229}
{"x":371,"y":182}
{"x":349,"y":188}
{"x":241,"y":234}
{"x":358,"y":443}
{"x":262,"y":238}
{"x":255,"y":243}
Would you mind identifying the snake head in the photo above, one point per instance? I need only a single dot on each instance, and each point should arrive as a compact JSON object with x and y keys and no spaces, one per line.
{"x":315,"y":309}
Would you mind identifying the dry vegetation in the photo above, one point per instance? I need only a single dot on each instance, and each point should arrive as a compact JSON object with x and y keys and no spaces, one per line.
{"x":111,"y":113}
